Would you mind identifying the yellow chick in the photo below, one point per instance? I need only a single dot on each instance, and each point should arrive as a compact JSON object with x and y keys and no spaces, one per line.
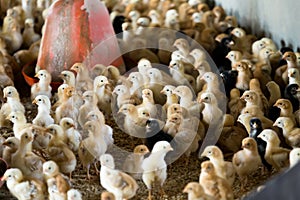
{"x":19,"y":122}
{"x":29,"y":163}
{"x":212,"y":184}
{"x":253,"y":98}
{"x":43,"y":117}
{"x":274,"y":91}
{"x":294,"y":157}
{"x":286,"y":109}
{"x":59,"y":151}
{"x":11,"y":145}
{"x":247,"y":160}
{"x":103,"y":93}
{"x":275,"y":155}
{"x":244,"y":75}
{"x":224,"y":169}
{"x":196,"y":192}
{"x":171,"y":97}
{"x":21,"y":188}
{"x":73,"y":135}
{"x":59,"y":96}
{"x":155,"y":167}
{"x":235,"y":104}
{"x":13,"y":104}
{"x":43,"y":85}
{"x":90,"y":104}
{"x":290,"y":131}
{"x":83,"y":80}
{"x":58,"y":185}
{"x":133,"y":162}
{"x":281,"y":73}
{"x":117,"y":182}
{"x":92,"y":147}
{"x":68,"y":77}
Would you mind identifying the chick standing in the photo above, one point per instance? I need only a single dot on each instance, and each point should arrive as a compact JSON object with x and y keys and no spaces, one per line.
{"x":43,"y":117}
{"x":73,"y":135}
{"x":104,"y":94}
{"x":155,"y":167}
{"x":196,"y":192}
{"x":43,"y":85}
{"x":119,"y":183}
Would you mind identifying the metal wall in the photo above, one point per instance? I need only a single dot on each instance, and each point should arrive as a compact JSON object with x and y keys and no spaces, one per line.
{"x":277,"y":19}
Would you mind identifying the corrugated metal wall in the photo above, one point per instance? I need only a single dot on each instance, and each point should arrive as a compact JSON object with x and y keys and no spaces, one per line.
{"x":277,"y":19}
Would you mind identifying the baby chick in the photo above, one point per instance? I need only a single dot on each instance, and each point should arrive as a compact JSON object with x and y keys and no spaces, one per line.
{"x":83,"y":80}
{"x":156,"y":171}
{"x":57,"y":184}
{"x":74,"y":194}
{"x":117,"y":182}
{"x":290,"y":131}
{"x":224,"y":169}
{"x":235,"y":104}
{"x":286,"y":109}
{"x":20,"y":188}
{"x":171,"y":97}
{"x":213,"y":184}
{"x":73,"y":135}
{"x":13,"y":104}
{"x":294,"y":157}
{"x":104,"y":94}
{"x":43,"y":85}
{"x":133,"y":163}
{"x":19,"y":122}
{"x":11,"y":145}
{"x":92,"y":147}
{"x":196,"y":192}
{"x":43,"y":117}
{"x":244,"y":75}
{"x":247,"y":160}
{"x":59,"y":151}
{"x":90,"y":104}
{"x":68,"y":77}
{"x":275,"y":155}
{"x":29,"y":35}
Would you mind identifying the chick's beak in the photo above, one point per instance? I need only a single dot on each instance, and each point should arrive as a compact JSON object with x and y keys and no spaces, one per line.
{"x":34,"y":101}
{"x":36,"y":75}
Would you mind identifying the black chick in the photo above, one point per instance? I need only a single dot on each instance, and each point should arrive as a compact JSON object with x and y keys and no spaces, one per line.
{"x":229,"y":80}
{"x":255,"y":130}
{"x":290,"y":93}
{"x":154,"y":133}
{"x":117,"y":24}
{"x":219,"y":54}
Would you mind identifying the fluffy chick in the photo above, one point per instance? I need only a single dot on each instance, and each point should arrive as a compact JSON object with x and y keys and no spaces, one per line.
{"x":83,"y":80}
{"x":224,"y":169}
{"x":43,"y":117}
{"x":90,"y":104}
{"x":244,"y":75}
{"x":21,"y":188}
{"x":58,"y":185}
{"x":286,"y":109}
{"x":247,"y":160}
{"x":73,"y":135}
{"x":294,"y":157}
{"x":104,"y":94}
{"x":11,"y":145}
{"x":74,"y":194}
{"x":275,"y":155}
{"x":117,"y":182}
{"x":196,"y":192}
{"x":156,"y":172}
{"x":133,"y":162}
{"x":290,"y":131}
{"x":213,"y":184}
{"x":43,"y":85}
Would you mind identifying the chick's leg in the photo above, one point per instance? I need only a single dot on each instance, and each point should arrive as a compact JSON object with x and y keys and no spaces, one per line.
{"x":149,"y":194}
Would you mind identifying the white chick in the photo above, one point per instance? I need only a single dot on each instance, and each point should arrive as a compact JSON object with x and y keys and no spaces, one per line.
{"x":133,"y":162}
{"x":21,"y":188}
{"x":43,"y":117}
{"x":57,"y":183}
{"x":19,"y":122}
{"x":143,"y":65}
{"x":123,"y":96}
{"x":223,"y":168}
{"x":119,"y":183}
{"x":104,"y":94}
{"x":68,"y":77}
{"x":74,"y":194}
{"x":171,"y":97}
{"x":74,"y":136}
{"x":13,"y":104}
{"x":294,"y":157}
{"x":136,"y":78}
{"x":186,"y":100}
{"x":155,"y":167}
{"x":43,"y":85}
{"x":294,"y":76}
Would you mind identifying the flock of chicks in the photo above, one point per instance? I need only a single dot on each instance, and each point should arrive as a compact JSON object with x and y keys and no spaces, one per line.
{"x":172,"y":112}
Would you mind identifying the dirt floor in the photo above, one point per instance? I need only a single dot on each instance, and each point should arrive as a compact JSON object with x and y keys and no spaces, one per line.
{"x":179,"y":174}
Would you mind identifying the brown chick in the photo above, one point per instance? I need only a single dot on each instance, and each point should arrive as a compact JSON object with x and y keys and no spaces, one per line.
{"x":235,"y":104}
{"x":59,"y":151}
{"x":275,"y":155}
{"x":290,"y":131}
{"x":223,"y":169}
{"x":196,"y":192}
{"x":253,"y":98}
{"x":281,"y":73}
{"x":244,"y":75}
{"x":286,"y":108}
{"x":247,"y":160}
{"x":213,"y":184}
{"x":107,"y":196}
{"x":274,"y":91}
